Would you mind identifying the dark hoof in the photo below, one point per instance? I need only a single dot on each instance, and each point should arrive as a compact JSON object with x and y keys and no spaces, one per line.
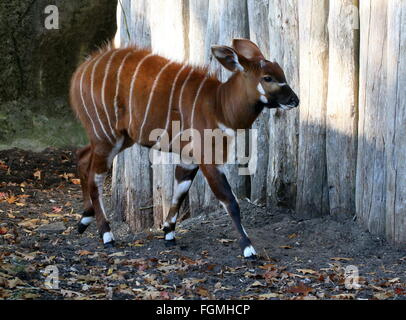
{"x":170,"y":243}
{"x":252,"y":258}
{"x":81,"y":228}
{"x":110,"y":245}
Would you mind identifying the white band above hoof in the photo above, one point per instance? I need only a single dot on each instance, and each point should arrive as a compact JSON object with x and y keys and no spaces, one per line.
{"x":87,"y":221}
{"x":170,"y":236}
{"x":249,"y":252}
{"x":108,"y":237}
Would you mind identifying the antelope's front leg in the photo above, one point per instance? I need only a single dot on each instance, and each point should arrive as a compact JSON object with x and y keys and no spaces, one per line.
{"x":222,"y":190}
{"x":184,"y":176}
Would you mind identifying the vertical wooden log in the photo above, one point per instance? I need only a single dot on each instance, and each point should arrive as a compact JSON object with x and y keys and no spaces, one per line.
{"x":283,"y":125}
{"x":259,"y":33}
{"x":200,"y":197}
{"x":132,"y":173}
{"x":168,"y":37}
{"x":342,"y":106}
{"x":396,"y":125}
{"x":371,"y":164}
{"x":233,"y":23}
{"x":312,"y":189}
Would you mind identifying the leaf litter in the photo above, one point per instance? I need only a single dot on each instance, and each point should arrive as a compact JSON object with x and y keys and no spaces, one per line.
{"x":299,"y":260}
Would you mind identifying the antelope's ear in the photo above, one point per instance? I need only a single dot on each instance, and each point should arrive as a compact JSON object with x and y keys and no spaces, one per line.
{"x":227,"y":57}
{"x":247,"y":49}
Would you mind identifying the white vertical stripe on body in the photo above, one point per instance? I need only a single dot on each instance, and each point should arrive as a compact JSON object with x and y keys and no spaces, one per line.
{"x":151,"y":96}
{"x":92,"y":94}
{"x":120,"y":70}
{"x":168,"y":117}
{"x":181,"y":98}
{"x":84,"y":102}
{"x":196,"y":100}
{"x":134,"y":78}
{"x":181,"y":106}
{"x":103,"y":92}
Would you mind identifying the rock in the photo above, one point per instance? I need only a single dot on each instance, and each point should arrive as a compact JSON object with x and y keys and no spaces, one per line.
{"x":57,"y":227}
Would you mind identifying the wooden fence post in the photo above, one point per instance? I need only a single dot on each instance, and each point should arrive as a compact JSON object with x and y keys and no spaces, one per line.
{"x":312,"y":188}
{"x":396,"y":128}
{"x":371,"y":163}
{"x":168,"y":37}
{"x":259,"y":33}
{"x":201,"y":198}
{"x":283,"y":125}
{"x":342,"y":106}
{"x":132,"y":174}
{"x":233,"y":23}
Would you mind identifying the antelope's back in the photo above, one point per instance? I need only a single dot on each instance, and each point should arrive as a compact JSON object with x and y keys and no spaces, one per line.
{"x":134,"y":91}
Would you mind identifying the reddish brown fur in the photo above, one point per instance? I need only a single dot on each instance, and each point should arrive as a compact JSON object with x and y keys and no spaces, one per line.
{"x":234,"y":104}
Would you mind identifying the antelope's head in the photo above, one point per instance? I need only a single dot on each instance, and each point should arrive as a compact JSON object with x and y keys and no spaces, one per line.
{"x":263,"y":80}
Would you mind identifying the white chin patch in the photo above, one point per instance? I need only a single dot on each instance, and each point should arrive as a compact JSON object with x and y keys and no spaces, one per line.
{"x":170,"y":236}
{"x":263,"y":99}
{"x":249,"y":252}
{"x":286,"y":107}
{"x":87,"y":221}
{"x":108,"y":237}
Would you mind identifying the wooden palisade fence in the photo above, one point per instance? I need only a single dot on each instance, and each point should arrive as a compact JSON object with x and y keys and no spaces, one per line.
{"x":343,"y":152}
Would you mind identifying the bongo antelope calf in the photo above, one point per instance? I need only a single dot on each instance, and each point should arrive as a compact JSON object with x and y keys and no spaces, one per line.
{"x":121,"y":95}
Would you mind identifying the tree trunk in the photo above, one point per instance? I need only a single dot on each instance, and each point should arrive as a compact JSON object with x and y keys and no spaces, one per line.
{"x":132,"y":173}
{"x":259,"y":33}
{"x":201,"y":198}
{"x":396,"y":128}
{"x":168,"y":37}
{"x":371,"y":166}
{"x":312,"y":190}
{"x":342,"y":106}
{"x":231,"y":27}
{"x":283,"y":125}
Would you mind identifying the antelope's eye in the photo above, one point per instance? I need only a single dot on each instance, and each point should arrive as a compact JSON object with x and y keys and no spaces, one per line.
{"x":267,"y":79}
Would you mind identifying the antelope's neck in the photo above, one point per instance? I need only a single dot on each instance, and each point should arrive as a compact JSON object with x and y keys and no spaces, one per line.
{"x":235,"y":109}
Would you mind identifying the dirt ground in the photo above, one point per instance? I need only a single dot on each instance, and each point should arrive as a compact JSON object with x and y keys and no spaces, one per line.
{"x":40,"y":205}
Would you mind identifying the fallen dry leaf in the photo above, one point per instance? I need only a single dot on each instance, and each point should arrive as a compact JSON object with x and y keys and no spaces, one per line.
{"x":37,"y":174}
{"x":341,"y":259}
{"x":301,"y":288}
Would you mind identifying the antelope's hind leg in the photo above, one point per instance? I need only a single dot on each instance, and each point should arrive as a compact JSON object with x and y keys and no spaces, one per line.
{"x":101,"y":162}
{"x":84,"y":160}
{"x":223,"y":192}
{"x":184,"y":176}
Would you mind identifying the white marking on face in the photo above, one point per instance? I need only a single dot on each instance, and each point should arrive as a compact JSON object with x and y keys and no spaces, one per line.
{"x":286,"y":107}
{"x":87,"y":221}
{"x":120,"y":70}
{"x":93,"y":98}
{"x":84,"y":102}
{"x":108,"y":237}
{"x":261,"y":89}
{"x":263,"y":99}
{"x":151,"y":96}
{"x":166,"y":225}
{"x":170,"y":236}
{"x":103,"y":93}
{"x":249,"y":252}
{"x":134,"y":78}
